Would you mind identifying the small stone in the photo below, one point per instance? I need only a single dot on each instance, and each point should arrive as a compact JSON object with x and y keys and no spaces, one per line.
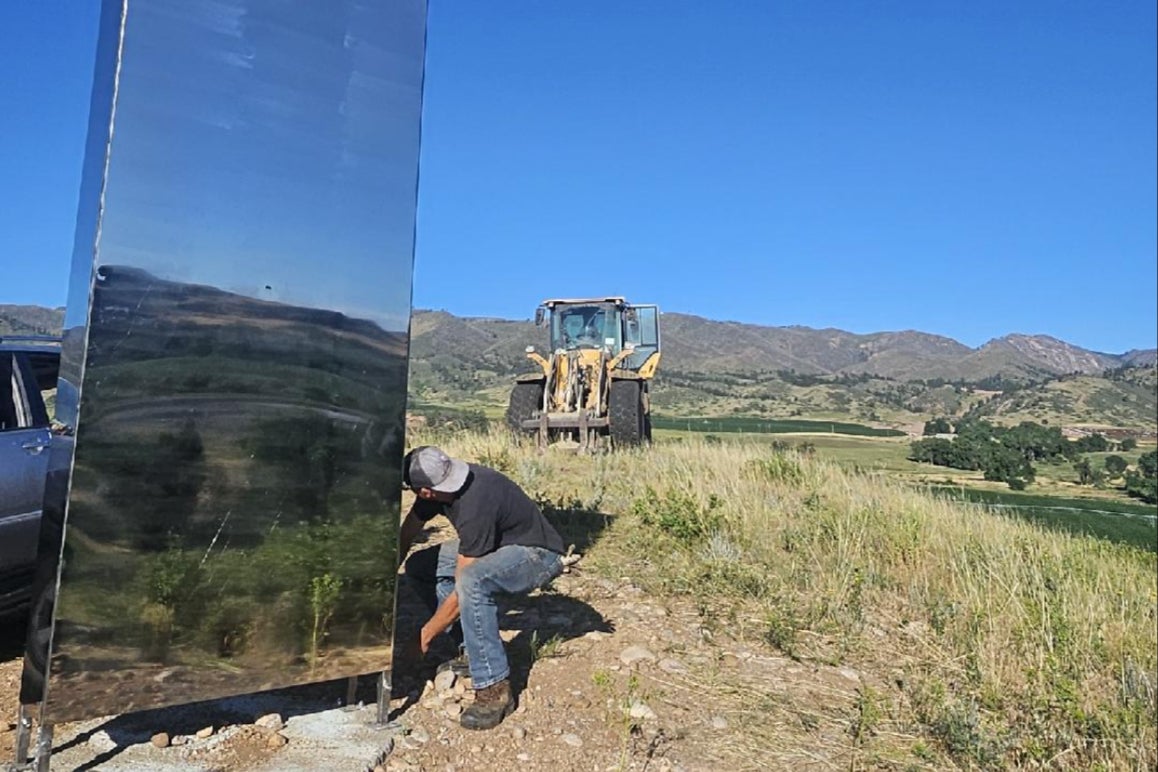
{"x":595,"y":635}
{"x":270,"y":721}
{"x":428,"y":689}
{"x":460,"y":688}
{"x":276,"y":740}
{"x":518,"y":733}
{"x":476,"y":749}
{"x":379,"y":768}
{"x":634,"y":654}
{"x":573,"y":740}
{"x":160,"y":740}
{"x":444,"y":681}
{"x":420,"y":735}
{"x":454,"y":710}
{"x":672,"y":666}
{"x":204,"y":733}
{"x":719,"y":722}
{"x":523,"y":757}
{"x":641,"y":711}
{"x":179,"y":740}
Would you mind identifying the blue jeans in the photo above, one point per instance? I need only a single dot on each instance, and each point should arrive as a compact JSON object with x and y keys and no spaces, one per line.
{"x":511,"y":570}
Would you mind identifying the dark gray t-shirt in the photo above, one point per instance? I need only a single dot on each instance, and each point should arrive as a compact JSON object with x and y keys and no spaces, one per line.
{"x":492,"y":512}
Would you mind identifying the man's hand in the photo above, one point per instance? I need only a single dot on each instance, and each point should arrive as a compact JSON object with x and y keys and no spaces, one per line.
{"x":425,"y":638}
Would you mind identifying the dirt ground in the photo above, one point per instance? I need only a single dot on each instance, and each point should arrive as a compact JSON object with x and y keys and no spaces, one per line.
{"x":607,"y":678}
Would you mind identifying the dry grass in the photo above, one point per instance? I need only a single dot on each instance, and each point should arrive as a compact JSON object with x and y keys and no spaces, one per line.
{"x":994,"y":643}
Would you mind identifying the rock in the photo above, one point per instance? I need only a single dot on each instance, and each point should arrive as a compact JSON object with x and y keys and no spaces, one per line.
{"x":519,"y":733}
{"x":719,"y":722}
{"x":444,"y":681}
{"x":428,"y":689}
{"x":595,"y":635}
{"x":101,"y":742}
{"x":271,"y":722}
{"x":454,"y":710}
{"x":276,"y":740}
{"x":420,"y":735}
{"x":179,"y":740}
{"x":160,"y":740}
{"x":573,"y":740}
{"x":633,"y":654}
{"x":379,"y":768}
{"x":476,"y":749}
{"x":640,"y":711}
{"x":672,"y":666}
{"x":204,"y":733}
{"x":523,"y":757}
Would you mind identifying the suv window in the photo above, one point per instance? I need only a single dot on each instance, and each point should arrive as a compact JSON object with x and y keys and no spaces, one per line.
{"x":17,"y":410}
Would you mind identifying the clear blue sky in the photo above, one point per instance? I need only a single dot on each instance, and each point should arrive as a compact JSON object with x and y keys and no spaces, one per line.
{"x":968,"y":169}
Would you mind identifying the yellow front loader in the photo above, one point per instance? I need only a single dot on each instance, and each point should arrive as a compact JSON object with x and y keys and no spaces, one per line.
{"x":593,"y":386}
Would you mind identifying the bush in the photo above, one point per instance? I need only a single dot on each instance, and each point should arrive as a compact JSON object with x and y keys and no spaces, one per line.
{"x":678,"y":514}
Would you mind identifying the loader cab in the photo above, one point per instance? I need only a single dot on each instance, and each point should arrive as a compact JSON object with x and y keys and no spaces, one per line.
{"x":592,"y":326}
{"x":602,"y":323}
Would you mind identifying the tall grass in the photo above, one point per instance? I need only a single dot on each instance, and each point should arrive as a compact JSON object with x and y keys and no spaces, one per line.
{"x":1001,"y":644}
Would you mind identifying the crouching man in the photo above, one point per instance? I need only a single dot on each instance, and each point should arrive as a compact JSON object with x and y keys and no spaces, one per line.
{"x":504,"y":546}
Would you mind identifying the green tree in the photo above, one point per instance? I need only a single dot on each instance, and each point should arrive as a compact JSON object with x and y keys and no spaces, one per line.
{"x":1115,"y":466}
{"x":1129,"y":444}
{"x":937,"y":426}
{"x":1085,"y":471}
{"x":1008,"y":466}
{"x":1143,"y":482}
{"x":1094,"y":443}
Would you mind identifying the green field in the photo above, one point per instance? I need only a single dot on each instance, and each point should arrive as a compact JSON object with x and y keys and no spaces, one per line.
{"x":750,"y":425}
{"x":1118,"y":521}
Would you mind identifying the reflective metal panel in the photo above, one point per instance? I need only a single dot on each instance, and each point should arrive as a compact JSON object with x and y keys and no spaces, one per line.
{"x":234,"y":498}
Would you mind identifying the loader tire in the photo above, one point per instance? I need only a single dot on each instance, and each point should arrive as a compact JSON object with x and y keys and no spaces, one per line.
{"x":625,"y":410}
{"x":526,"y":400}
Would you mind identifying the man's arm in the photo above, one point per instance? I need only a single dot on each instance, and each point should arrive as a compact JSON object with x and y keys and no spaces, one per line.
{"x":411,"y":528}
{"x":447,"y":612}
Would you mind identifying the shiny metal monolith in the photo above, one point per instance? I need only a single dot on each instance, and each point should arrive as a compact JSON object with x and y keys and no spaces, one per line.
{"x":222,"y":515}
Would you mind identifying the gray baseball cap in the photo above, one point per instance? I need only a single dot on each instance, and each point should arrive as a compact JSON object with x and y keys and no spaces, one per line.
{"x":430,"y":467}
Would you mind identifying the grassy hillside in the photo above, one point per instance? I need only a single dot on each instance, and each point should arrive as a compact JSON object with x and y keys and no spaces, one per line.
{"x":978,"y":640}
{"x":30,"y":320}
{"x":1125,"y":398}
{"x":719,"y":369}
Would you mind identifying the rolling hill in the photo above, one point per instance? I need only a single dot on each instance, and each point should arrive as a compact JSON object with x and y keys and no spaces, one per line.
{"x":715,"y":367}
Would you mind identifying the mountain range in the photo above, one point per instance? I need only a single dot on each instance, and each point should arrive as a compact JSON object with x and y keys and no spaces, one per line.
{"x":692,"y":343}
{"x":717,"y":367}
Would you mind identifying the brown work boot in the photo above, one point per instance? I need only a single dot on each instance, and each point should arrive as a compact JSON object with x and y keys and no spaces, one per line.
{"x":491,"y":705}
